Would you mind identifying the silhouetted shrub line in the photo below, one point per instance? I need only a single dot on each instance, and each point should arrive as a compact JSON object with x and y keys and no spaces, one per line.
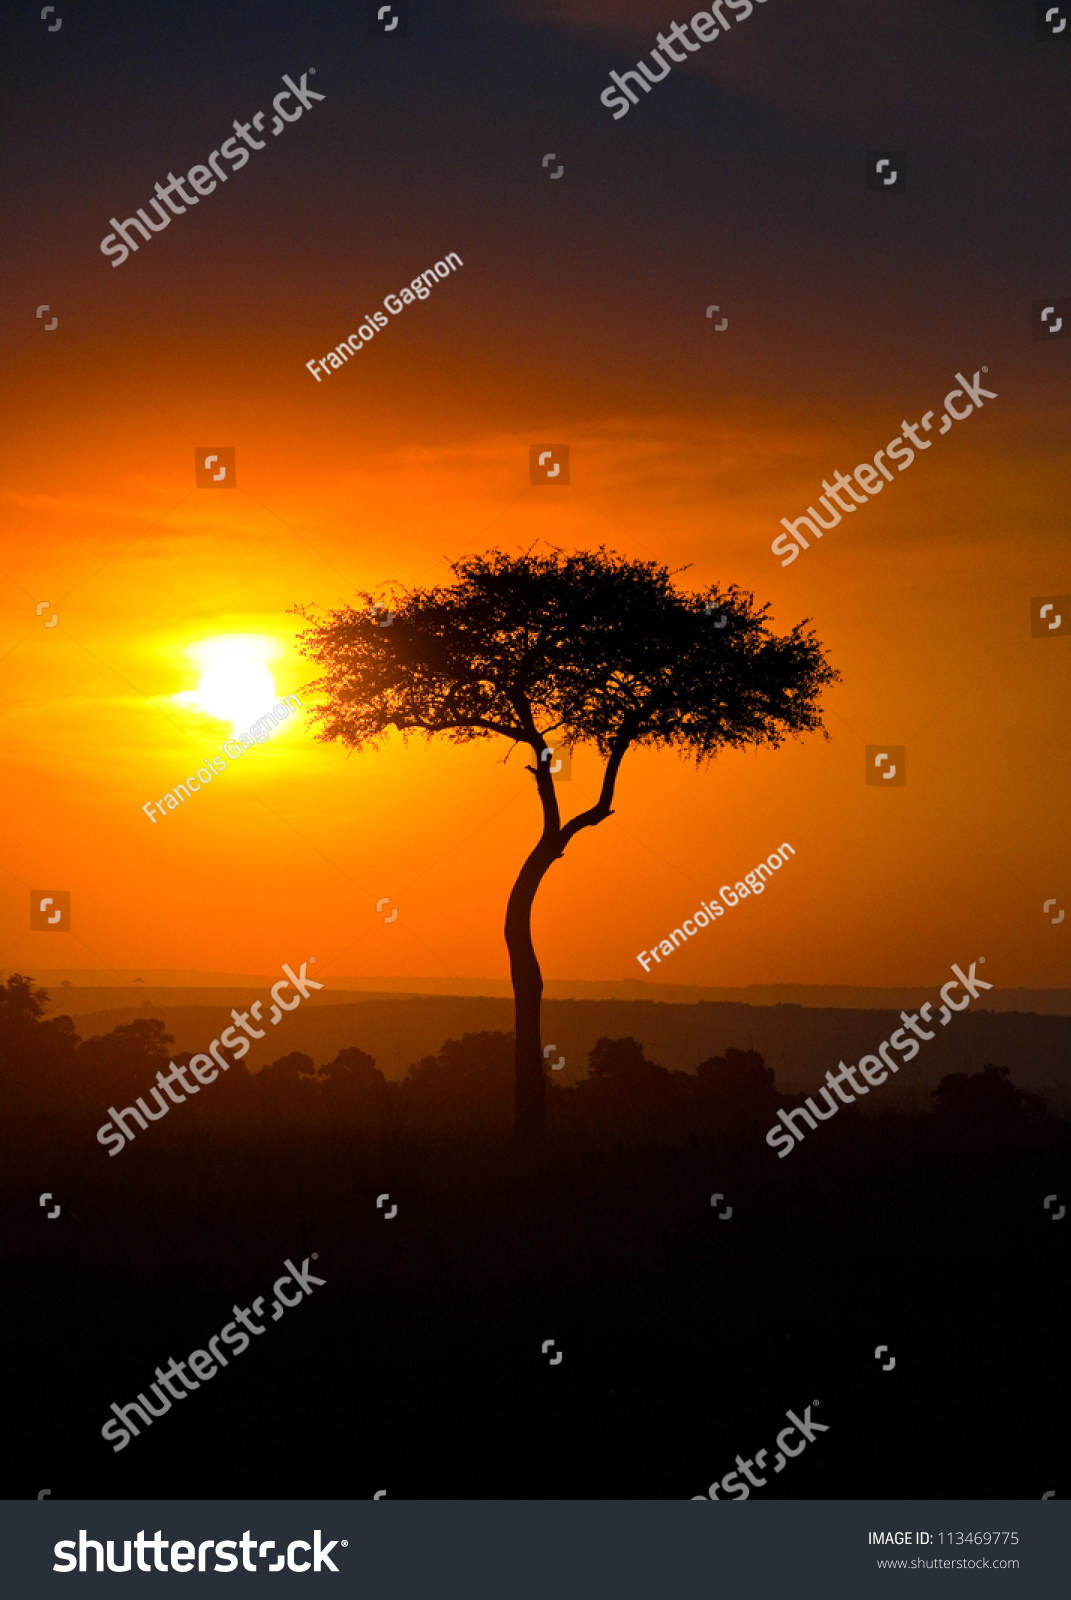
{"x":985,"y":1100}
{"x":464,"y":1093}
{"x":883,"y":1064}
{"x":202,"y":1065}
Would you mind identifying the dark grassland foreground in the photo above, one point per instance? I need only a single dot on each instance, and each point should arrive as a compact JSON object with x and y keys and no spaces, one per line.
{"x":418,"y":1367}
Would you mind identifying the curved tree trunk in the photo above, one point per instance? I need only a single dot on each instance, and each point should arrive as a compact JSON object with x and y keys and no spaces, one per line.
{"x":531,"y":1085}
{"x":530,"y":1100}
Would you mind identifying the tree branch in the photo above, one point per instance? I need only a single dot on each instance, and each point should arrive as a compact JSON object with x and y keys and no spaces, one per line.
{"x":603,"y":807}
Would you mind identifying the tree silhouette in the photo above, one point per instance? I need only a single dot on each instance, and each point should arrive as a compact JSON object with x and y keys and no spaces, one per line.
{"x":22,"y":1007}
{"x":36,"y":1052}
{"x":986,"y":1099}
{"x":353,"y":1087}
{"x":562,"y":649}
{"x":621,"y":1081}
{"x":466,"y":1085}
{"x":125,"y":1061}
{"x":740,"y":1084}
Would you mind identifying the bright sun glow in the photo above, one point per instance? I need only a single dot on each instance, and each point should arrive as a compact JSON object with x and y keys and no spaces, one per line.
{"x":235,"y":685}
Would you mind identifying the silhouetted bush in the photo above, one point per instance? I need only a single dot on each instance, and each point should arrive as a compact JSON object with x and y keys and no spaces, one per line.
{"x":287,"y":1071}
{"x":623,"y":1083}
{"x":738,"y":1088}
{"x":986,"y":1099}
{"x":353,"y":1088}
{"x":470,"y":1083}
{"x":36,"y":1056}
{"x":126,"y":1060}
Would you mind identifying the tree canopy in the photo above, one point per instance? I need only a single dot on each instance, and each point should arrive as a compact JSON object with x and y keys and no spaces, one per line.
{"x":589,"y":647}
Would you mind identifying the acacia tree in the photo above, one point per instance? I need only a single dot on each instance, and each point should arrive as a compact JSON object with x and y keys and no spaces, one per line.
{"x":562,"y":649}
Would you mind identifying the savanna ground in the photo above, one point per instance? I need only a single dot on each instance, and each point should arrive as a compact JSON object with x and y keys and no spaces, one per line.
{"x":418,"y":1369}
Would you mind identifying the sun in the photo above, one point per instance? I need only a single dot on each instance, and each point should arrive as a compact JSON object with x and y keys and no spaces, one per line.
{"x":235,"y":685}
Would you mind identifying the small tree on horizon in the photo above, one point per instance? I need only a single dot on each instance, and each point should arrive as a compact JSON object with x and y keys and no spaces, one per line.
{"x":545,"y":650}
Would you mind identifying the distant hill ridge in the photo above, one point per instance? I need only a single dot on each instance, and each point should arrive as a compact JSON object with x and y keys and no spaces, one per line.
{"x":93,"y":990}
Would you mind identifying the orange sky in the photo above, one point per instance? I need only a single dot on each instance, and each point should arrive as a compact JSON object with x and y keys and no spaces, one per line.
{"x":923,"y":606}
